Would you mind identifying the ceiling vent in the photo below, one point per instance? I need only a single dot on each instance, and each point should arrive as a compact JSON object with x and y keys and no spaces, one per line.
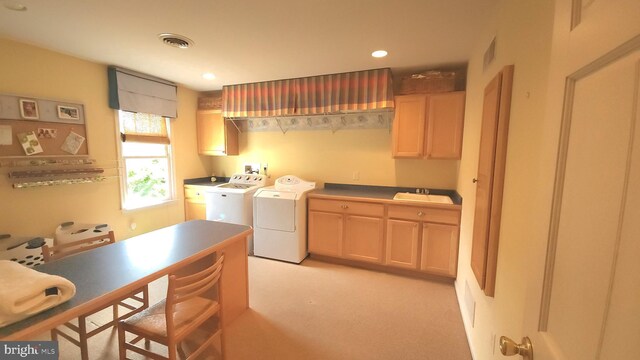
{"x":176,"y":40}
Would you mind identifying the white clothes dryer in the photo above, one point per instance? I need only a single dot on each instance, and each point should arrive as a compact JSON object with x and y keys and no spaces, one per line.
{"x":232,"y":202}
{"x":280,"y":219}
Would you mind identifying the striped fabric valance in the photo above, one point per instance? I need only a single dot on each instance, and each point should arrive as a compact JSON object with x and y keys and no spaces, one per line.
{"x":324,"y":94}
{"x":269,"y":98}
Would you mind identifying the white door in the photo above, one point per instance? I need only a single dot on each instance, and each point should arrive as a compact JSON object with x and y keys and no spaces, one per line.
{"x":584,"y":288}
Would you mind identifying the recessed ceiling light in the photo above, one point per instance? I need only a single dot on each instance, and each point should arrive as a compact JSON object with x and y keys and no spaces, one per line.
{"x":379,"y":53}
{"x":176,"y":40}
{"x":208,"y":76}
{"x":15,"y":6}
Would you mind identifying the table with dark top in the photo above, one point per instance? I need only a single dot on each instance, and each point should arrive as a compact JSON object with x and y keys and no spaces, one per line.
{"x":104,"y":274}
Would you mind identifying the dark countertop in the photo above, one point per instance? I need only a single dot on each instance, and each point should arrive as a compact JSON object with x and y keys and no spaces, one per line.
{"x":379,"y":193}
{"x":206,"y":181}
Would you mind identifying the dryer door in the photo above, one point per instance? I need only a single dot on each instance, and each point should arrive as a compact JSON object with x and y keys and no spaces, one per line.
{"x":275,"y":210}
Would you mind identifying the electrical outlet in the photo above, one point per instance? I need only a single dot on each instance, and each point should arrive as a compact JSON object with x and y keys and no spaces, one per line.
{"x":356,"y":175}
{"x":253,"y":168}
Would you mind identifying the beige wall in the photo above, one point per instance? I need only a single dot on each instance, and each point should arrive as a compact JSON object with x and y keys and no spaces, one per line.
{"x":323,"y":156}
{"x":523,"y":31}
{"x":34,"y":72}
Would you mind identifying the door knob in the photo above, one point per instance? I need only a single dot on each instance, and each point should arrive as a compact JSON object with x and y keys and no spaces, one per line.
{"x":474,"y":180}
{"x":509,"y":347}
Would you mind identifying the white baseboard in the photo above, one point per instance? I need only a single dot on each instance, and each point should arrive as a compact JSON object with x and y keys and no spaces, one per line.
{"x":466,"y":322}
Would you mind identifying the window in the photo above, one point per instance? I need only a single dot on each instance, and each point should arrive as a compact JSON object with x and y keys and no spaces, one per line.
{"x":147,"y":162}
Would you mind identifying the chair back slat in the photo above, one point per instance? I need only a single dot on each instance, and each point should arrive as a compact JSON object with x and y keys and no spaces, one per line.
{"x":183,"y":288}
{"x":187,"y":292}
{"x":192,"y":278}
{"x":50,"y":253}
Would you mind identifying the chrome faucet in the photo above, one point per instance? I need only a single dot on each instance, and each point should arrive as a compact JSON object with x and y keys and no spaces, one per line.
{"x":422,"y":191}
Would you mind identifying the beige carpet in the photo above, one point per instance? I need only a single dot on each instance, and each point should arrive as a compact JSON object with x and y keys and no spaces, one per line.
{"x":318,"y":310}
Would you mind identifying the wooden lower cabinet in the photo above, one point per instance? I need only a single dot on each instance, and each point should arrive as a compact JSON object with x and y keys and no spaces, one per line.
{"x":325,"y":233}
{"x":194,"y":203}
{"x":364,"y":238}
{"x":419,"y":238}
{"x":439,"y":252}
{"x":402,"y":243}
{"x":346,"y":229}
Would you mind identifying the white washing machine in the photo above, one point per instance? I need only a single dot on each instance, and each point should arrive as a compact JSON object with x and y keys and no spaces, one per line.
{"x":232,"y":202}
{"x":280,"y":219}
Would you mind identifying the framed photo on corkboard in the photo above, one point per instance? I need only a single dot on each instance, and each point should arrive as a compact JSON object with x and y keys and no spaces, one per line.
{"x":29,"y":109}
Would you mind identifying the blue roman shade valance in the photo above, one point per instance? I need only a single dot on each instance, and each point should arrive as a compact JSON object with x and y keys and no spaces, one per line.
{"x":140,"y":93}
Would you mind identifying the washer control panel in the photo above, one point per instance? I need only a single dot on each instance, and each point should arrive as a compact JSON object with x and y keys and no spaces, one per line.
{"x":248,"y":179}
{"x":293,"y":183}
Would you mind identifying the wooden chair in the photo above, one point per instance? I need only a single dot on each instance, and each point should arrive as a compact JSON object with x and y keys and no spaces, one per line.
{"x":171,"y":321}
{"x":139,"y":297}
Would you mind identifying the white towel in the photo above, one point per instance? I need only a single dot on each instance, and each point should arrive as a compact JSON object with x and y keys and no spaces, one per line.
{"x":22,"y":291}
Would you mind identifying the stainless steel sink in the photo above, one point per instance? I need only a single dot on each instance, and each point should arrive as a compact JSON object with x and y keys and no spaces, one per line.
{"x":426,"y":198}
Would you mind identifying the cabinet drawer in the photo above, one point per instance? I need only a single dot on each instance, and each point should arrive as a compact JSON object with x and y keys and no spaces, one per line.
{"x":442,"y":216}
{"x":194,"y":193}
{"x":347,"y":207}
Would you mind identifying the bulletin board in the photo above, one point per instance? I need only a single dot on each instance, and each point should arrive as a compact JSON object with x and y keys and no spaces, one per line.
{"x":32,"y":127}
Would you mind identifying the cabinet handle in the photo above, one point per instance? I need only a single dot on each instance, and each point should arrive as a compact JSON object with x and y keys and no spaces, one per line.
{"x":344,"y":206}
{"x":420,"y":213}
{"x":474,"y":180}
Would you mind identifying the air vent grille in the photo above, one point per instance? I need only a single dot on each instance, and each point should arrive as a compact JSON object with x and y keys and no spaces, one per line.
{"x":175,"y":40}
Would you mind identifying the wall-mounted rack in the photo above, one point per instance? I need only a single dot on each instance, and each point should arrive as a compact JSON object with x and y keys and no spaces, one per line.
{"x":55,"y":172}
{"x":28,"y":173}
{"x":30,"y":184}
{"x":45,"y":162}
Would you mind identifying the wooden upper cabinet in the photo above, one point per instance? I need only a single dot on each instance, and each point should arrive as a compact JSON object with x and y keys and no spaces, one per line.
{"x":409,"y":125}
{"x":445,"y":121}
{"x":215,"y":135}
{"x":429,"y":125}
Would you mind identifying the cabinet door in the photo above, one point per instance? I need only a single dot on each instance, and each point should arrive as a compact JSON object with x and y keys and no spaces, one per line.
{"x":194,"y":204}
{"x":445,"y":120}
{"x":409,"y":126}
{"x":215,"y":135}
{"x":325,"y":233}
{"x":194,"y":211}
{"x":364,"y":238}
{"x":402,"y":244}
{"x":439,"y":253}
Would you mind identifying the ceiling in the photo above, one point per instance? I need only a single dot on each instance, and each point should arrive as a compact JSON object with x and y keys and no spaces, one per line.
{"x":244,"y":41}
